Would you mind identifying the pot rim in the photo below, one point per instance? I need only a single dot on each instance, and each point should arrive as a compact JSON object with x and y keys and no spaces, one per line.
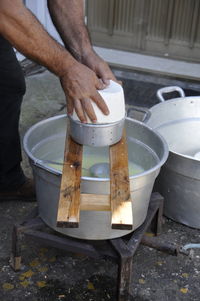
{"x":170,"y":101}
{"x":184,"y":156}
{"x":177,"y":99}
{"x":40,"y":163}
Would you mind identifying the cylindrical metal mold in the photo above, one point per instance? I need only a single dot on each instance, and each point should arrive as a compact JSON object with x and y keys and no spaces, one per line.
{"x":96,"y":134}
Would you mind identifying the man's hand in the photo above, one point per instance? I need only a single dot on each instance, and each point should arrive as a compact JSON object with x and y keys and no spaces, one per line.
{"x":80,"y":85}
{"x":99,"y":66}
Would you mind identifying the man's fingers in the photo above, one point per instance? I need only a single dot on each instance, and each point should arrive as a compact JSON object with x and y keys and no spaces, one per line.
{"x":100,"y":85}
{"x":120,"y":82}
{"x":70,"y":106}
{"x":106,"y":81}
{"x":79,"y":110}
{"x":100,"y":103}
{"x":88,"y":108}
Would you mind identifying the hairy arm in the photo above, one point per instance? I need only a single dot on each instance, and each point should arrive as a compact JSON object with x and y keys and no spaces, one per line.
{"x":68,"y":18}
{"x":22,"y":29}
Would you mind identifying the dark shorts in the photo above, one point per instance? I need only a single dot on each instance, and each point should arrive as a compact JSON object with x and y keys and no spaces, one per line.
{"x":12,"y":89}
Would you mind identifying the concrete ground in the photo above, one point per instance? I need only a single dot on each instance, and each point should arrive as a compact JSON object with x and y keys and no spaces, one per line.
{"x":48,"y":274}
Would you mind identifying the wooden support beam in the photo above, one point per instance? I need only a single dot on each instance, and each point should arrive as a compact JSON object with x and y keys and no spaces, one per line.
{"x":120,"y":197}
{"x":95,"y":202}
{"x":69,"y":202}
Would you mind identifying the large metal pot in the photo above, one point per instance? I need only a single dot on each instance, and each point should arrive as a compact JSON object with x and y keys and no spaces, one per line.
{"x":44,"y":143}
{"x":178,"y":121}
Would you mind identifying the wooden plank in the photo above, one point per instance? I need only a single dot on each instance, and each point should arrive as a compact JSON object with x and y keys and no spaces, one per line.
{"x":95,"y":202}
{"x":120,"y":197}
{"x":69,"y":202}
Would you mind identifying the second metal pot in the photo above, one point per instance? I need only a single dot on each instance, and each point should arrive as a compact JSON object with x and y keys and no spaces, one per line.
{"x":178,"y":121}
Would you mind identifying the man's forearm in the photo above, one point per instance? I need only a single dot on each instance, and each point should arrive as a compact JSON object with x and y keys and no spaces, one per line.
{"x":68,"y":18}
{"x":26,"y":34}
{"x":79,"y":83}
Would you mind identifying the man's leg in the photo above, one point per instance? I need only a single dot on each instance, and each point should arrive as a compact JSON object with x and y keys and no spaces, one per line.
{"x":12,"y":89}
{"x":11,"y":174}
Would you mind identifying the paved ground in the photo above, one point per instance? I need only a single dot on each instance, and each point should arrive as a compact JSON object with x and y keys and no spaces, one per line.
{"x":48,"y":274}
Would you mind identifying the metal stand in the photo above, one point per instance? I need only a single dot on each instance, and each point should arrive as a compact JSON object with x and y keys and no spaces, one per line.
{"x":120,"y":249}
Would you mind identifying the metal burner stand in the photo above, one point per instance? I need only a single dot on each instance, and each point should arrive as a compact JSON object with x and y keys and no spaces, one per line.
{"x":120,"y":249}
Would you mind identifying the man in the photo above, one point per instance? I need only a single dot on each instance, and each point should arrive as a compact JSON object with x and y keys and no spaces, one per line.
{"x":80,"y":70}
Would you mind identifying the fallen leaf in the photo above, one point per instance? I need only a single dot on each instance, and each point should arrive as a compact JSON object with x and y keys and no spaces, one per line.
{"x":90,"y":286}
{"x":27,"y":274}
{"x":159,"y":263}
{"x":185,"y":275}
{"x":184,"y":290}
{"x":141,"y":281}
{"x":42,"y":269}
{"x":149,"y":234}
{"x":34,"y":263}
{"x":41,"y":284}
{"x":7,"y":286}
{"x":25,"y":283}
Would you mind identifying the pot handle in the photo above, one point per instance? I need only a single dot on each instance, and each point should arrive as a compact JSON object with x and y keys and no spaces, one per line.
{"x":164,"y":90}
{"x":146,"y":113}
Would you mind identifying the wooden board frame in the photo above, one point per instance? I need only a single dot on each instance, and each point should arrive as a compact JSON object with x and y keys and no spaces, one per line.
{"x":119,"y":201}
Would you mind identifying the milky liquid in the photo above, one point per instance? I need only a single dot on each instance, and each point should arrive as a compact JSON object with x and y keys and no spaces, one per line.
{"x":91,"y":159}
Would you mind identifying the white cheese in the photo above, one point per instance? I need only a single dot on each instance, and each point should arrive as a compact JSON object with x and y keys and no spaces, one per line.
{"x":113,"y":96}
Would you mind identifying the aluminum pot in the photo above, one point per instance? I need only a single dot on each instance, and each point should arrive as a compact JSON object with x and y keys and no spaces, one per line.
{"x":178,"y":121}
{"x":44,"y":143}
